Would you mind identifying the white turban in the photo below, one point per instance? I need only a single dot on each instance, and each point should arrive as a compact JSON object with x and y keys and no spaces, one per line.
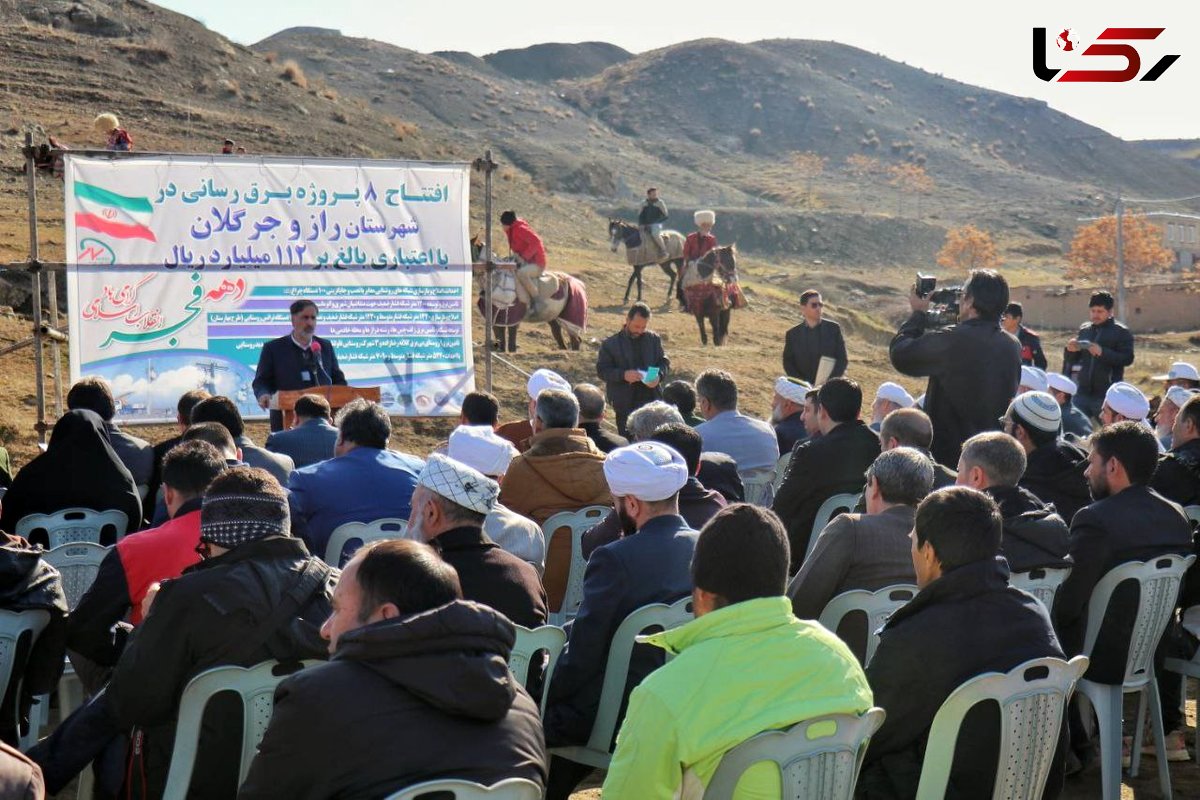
{"x":1128,"y":401}
{"x":1180,"y":370}
{"x":544,"y":379}
{"x":480,"y":448}
{"x":792,"y":389}
{"x":1034,"y":379}
{"x":894,"y":393}
{"x":647,"y":470}
{"x":1060,"y":382}
{"x":702,"y":217}
{"x":459,"y":483}
{"x":1179,"y":395}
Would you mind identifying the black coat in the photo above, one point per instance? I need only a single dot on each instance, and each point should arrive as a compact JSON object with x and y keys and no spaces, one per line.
{"x":803,"y":347}
{"x":791,"y":432}
{"x":283,"y":366}
{"x":973,"y":367}
{"x":1031,"y":348}
{"x":604,"y":440}
{"x":209,"y":617}
{"x":494,"y":577}
{"x":411,"y":699}
{"x":1034,"y":534}
{"x":719,"y":473}
{"x":619,"y":353}
{"x":820,"y":468}
{"x":965,"y":623}
{"x":1094,"y":375}
{"x":1054,"y":474}
{"x":1178,"y":475}
{"x":1134,"y":525}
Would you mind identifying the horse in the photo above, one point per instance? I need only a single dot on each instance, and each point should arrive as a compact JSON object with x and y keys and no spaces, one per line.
{"x":711,"y":291}
{"x":641,"y":254}
{"x":563,"y":304}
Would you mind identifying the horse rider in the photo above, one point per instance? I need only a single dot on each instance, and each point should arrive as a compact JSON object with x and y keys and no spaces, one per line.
{"x":699,"y":242}
{"x":650,"y":220}
{"x":527,"y":246}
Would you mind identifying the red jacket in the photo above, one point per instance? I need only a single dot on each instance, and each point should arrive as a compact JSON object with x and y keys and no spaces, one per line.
{"x":525,"y":243}
{"x":697,"y":245}
{"x":158,"y":555}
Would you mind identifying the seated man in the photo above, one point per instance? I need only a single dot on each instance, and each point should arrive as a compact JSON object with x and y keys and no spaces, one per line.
{"x":867,"y":551}
{"x":748,"y":441}
{"x":965,"y":621}
{"x":183,"y":418}
{"x":94,"y":394}
{"x":1178,"y":475}
{"x":718,"y":471}
{"x":479,"y":410}
{"x":1053,"y":466}
{"x":1033,"y":379}
{"x":448,"y":508}
{"x":911,"y":427}
{"x":686,"y":715}
{"x":1168,"y":411}
{"x":1034,"y":534}
{"x":222,"y":410}
{"x":312,"y":439}
{"x":787,"y":413}
{"x":591,"y":414}
{"x":649,"y":567}
{"x":682,"y":395}
{"x":889,"y":397}
{"x":416,"y":690}
{"x":521,"y":432}
{"x":1074,"y":422}
{"x":363,"y":482}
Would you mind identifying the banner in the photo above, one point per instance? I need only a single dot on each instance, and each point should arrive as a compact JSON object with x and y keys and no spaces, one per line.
{"x":182,"y":267}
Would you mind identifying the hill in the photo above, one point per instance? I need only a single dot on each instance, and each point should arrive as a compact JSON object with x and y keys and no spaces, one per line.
{"x":556,"y":61}
{"x":1186,"y":150}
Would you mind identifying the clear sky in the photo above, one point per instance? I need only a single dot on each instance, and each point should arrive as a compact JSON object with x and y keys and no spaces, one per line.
{"x":985,"y":45}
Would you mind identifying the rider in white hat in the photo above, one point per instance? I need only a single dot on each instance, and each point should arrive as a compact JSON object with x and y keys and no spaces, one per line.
{"x":699,"y":242}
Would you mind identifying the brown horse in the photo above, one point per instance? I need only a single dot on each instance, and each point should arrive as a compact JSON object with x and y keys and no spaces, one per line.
{"x":641,"y":254}
{"x":711,"y":291}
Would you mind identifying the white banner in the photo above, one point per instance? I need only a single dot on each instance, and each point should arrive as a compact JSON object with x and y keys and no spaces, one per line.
{"x":182,"y":267}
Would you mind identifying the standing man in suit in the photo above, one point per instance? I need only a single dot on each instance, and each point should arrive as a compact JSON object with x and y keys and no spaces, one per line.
{"x":812,"y":339}
{"x":623,"y":361}
{"x":296,"y":361}
{"x":314,"y":436}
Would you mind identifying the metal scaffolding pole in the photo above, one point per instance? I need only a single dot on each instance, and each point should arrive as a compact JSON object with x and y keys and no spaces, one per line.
{"x":35,"y":270}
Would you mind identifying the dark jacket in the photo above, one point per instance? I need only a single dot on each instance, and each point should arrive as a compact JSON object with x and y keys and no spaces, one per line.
{"x":493,"y":577}
{"x":28,"y":583}
{"x":719,"y":473}
{"x":1074,"y":421}
{"x":1178,"y":475}
{"x":403,"y":701}
{"x":1054,"y":474}
{"x":1034,"y":534}
{"x":1093,"y":375}
{"x":803,"y":347}
{"x":1031,"y":348}
{"x":160,"y":451}
{"x":791,"y":432}
{"x":621,"y":352}
{"x":284,"y":366}
{"x":211,"y":616}
{"x":307,"y":443}
{"x":652,"y":213}
{"x":697,"y":506}
{"x":965,"y":623}
{"x":820,"y":468}
{"x":604,"y":440}
{"x":1134,"y":525}
{"x":136,"y":454}
{"x":652,"y":566}
{"x":974,"y":368}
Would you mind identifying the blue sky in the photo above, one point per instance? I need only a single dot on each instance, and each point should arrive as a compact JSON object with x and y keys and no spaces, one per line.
{"x":988,"y":45}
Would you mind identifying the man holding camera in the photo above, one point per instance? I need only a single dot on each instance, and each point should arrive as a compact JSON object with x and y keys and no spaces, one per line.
{"x":1098,"y":355}
{"x":973,"y":366}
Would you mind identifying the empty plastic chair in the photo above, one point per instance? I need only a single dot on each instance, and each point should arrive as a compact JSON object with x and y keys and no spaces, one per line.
{"x":598,"y":750}
{"x":818,"y":757}
{"x":78,"y":564}
{"x":341,"y":547}
{"x":1032,"y":698}
{"x":1159,"y":581}
{"x":877,"y":606}
{"x":1193,"y":513}
{"x":510,"y":789}
{"x":256,"y":686}
{"x":547,"y":638}
{"x":573,"y":524}
{"x":15,"y":625}
{"x":1042,"y":583}
{"x":74,"y":525}
{"x":835,"y":505}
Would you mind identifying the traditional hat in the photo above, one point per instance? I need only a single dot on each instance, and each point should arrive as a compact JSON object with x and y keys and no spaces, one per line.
{"x":1180,"y":370}
{"x":105,"y":123}
{"x":792,"y":389}
{"x":543,"y":379}
{"x":460,"y":484}
{"x":1037,"y":410}
{"x":228,"y":520}
{"x":1179,"y":395}
{"x":702,"y":217}
{"x":1056,"y":380}
{"x":894,"y":393}
{"x":647,"y":470}
{"x":1128,"y":401}
{"x":1034,"y":379}
{"x":480,"y":448}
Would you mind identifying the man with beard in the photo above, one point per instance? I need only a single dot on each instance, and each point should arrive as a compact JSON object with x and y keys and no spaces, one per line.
{"x":889,"y":397}
{"x":1178,"y":474}
{"x":1054,"y":467}
{"x":296,"y":361}
{"x":787,"y":413}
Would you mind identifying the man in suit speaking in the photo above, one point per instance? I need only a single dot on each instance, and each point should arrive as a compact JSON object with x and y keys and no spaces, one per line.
{"x":296,"y":361}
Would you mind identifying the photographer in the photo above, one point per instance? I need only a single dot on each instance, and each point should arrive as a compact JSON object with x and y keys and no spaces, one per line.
{"x":1098,"y":355}
{"x":973,"y":366}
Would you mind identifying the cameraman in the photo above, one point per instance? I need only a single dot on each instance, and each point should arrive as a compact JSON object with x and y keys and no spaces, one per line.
{"x":973,"y":367}
{"x":1098,"y":355}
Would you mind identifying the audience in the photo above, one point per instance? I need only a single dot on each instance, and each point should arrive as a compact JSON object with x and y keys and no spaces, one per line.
{"x":1125,"y":402}
{"x":313,"y":437}
{"x":682,"y":395}
{"x":1074,"y":422}
{"x":889,"y":397}
{"x":636,"y":570}
{"x":787,"y":413}
{"x":809,"y":415}
{"x":1032,"y":380}
{"x":1053,"y":466}
{"x":521,"y":432}
{"x":363,"y":482}
{"x":718,"y":471}
{"x":416,"y":689}
{"x":78,"y":470}
{"x":748,"y":441}
{"x":867,"y":551}
{"x":480,"y":408}
{"x":222,"y":409}
{"x":449,"y":506}
{"x":591,"y":414}
{"x":965,"y":621}
{"x":911,"y":427}
{"x":94,"y":394}
{"x":1182,"y":374}
{"x":829,"y":465}
{"x":1034,"y":534}
{"x":685,"y":716}
{"x":1178,"y":475}
{"x":183,"y":418}
{"x":1168,"y":410}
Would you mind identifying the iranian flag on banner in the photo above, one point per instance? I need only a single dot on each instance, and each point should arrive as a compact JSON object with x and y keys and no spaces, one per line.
{"x":113,"y":214}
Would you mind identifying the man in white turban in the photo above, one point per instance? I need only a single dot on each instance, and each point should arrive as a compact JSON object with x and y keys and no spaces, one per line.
{"x":787,"y":412}
{"x":889,"y":397}
{"x":519,"y":432}
{"x":1124,"y":401}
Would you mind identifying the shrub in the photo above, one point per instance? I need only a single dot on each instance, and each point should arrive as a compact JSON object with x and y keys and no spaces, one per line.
{"x":292,"y":73}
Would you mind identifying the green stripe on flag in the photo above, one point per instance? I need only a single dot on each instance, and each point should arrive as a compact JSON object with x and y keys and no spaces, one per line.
{"x":97,"y":195}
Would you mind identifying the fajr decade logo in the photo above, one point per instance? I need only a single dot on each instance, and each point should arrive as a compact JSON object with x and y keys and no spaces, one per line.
{"x":1110,"y":43}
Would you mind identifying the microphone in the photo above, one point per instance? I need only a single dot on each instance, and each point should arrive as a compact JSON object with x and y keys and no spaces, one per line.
{"x":314,"y":350}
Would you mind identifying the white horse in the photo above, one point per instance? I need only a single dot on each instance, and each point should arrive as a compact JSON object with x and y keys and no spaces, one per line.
{"x":562,"y":303}
{"x":641,"y":254}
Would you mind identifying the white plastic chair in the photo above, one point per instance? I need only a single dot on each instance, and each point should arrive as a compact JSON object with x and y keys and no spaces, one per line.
{"x":877,"y":605}
{"x":759,"y":487}
{"x":598,"y":750}
{"x":1159,"y":581}
{"x":1032,"y":698}
{"x":818,"y":757}
{"x":828,"y":510}
{"x":362,"y":532}
{"x":73,"y":525}
{"x":780,"y":469}
{"x":576,"y":523}
{"x":77,"y":563}
{"x":510,"y":789}
{"x":549,"y":638}
{"x":1193,"y":513}
{"x":256,"y":685}
{"x":13,"y":626}
{"x":1042,"y":583}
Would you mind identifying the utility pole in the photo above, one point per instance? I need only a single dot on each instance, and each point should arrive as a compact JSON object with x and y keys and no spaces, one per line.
{"x":1120,"y":211}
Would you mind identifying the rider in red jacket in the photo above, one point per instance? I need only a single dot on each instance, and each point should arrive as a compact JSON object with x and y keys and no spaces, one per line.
{"x":528,"y":247}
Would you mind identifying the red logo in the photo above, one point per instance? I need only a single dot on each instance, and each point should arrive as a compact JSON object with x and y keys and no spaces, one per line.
{"x":1110,"y":43}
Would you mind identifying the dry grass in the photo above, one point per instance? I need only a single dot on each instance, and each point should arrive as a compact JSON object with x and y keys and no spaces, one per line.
{"x":292,"y":73}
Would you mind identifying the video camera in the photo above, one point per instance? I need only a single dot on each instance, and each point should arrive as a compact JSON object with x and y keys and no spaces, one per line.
{"x":943,"y":303}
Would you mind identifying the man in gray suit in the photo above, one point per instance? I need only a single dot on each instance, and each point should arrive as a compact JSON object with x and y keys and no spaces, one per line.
{"x":222,"y":409}
{"x":313,"y":437}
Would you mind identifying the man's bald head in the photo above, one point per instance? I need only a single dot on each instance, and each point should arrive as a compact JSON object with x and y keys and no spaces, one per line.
{"x":906,"y":427}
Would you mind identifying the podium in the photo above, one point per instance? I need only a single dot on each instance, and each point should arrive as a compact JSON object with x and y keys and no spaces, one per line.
{"x":337,"y":396}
